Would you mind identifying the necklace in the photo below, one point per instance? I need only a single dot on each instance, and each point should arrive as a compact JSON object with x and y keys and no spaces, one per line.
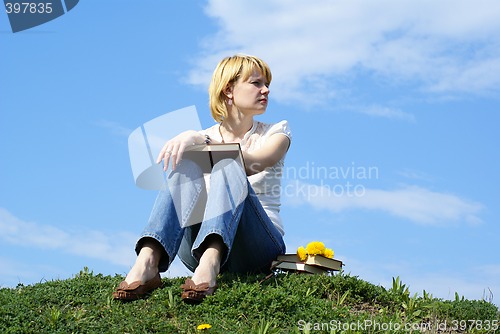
{"x":220,"y":132}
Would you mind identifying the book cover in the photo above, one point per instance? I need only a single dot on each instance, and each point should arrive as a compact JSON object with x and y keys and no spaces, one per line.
{"x":206,"y":156}
{"x":292,"y":257}
{"x":315,"y":260}
{"x":298,"y":266}
{"x":322,"y":261}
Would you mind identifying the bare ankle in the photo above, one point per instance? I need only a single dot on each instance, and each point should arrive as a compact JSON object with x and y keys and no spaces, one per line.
{"x":208,"y":268}
{"x":145,"y":267}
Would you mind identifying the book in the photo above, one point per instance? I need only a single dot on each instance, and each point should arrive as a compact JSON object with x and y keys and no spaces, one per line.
{"x":319,"y":260}
{"x":298,"y":266}
{"x":315,"y":260}
{"x":290,"y":257}
{"x":206,"y":156}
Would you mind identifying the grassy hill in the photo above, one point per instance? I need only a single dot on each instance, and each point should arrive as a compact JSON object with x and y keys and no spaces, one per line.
{"x":285,"y":303}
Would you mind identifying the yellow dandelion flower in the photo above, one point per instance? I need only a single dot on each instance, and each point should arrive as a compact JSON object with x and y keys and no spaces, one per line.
{"x":315,"y":248}
{"x":328,"y":252}
{"x":301,"y":253}
{"x":203,"y":327}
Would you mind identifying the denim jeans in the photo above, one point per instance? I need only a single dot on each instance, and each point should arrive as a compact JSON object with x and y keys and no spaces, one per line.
{"x":230,"y":209}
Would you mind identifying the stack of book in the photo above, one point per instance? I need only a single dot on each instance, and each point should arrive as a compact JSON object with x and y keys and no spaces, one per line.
{"x":315,"y":264}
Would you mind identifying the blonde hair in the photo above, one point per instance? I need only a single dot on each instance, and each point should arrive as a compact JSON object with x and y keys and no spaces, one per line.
{"x":227,"y":72}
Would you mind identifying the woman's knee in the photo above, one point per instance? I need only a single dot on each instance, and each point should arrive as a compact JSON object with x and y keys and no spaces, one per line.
{"x":186,"y":168}
{"x":227,"y":164}
{"x":186,"y":172}
{"x":230,"y":169}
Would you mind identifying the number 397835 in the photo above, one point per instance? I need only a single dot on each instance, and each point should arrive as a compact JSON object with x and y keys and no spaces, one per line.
{"x":28,"y":7}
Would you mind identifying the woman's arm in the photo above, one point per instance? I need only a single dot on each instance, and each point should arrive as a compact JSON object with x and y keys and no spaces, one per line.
{"x":176,"y":146}
{"x":273,"y":150}
{"x":256,"y":161}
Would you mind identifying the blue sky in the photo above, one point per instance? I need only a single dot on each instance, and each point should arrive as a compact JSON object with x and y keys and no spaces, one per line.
{"x":393,"y":108}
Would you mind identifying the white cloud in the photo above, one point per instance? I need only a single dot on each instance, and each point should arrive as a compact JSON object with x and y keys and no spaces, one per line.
{"x":445,"y":46}
{"x":380,"y":111}
{"x":412,"y":203}
{"x":415,"y":175}
{"x":115,"y":128}
{"x":116,"y":249}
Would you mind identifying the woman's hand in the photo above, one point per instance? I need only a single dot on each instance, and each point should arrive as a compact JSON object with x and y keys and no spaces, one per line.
{"x":174,"y":148}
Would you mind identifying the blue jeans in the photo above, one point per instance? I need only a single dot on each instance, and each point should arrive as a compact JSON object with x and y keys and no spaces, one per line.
{"x":230,"y":210}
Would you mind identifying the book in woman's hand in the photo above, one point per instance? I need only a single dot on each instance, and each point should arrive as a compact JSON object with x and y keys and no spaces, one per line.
{"x":206,"y":156}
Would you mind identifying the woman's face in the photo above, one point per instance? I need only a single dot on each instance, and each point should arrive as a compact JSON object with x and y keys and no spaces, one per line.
{"x":250,"y":96}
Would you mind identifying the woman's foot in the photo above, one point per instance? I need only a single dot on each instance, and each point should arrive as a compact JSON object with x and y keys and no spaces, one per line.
{"x":208,"y":268}
{"x":204,"y":280}
{"x":195,"y":293}
{"x":144,"y":275}
{"x":142,"y":271}
{"x":136,"y":290}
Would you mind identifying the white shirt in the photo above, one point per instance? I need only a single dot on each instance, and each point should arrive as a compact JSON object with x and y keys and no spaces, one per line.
{"x":266,"y":184}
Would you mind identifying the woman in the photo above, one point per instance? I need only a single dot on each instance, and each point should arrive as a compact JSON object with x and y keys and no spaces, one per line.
{"x":240,"y":230}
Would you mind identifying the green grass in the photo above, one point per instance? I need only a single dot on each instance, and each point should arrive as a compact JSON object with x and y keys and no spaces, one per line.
{"x":285,"y":303}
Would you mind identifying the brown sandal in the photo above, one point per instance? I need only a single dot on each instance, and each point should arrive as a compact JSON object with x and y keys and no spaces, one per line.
{"x":136,"y":290}
{"x":196,"y":293}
